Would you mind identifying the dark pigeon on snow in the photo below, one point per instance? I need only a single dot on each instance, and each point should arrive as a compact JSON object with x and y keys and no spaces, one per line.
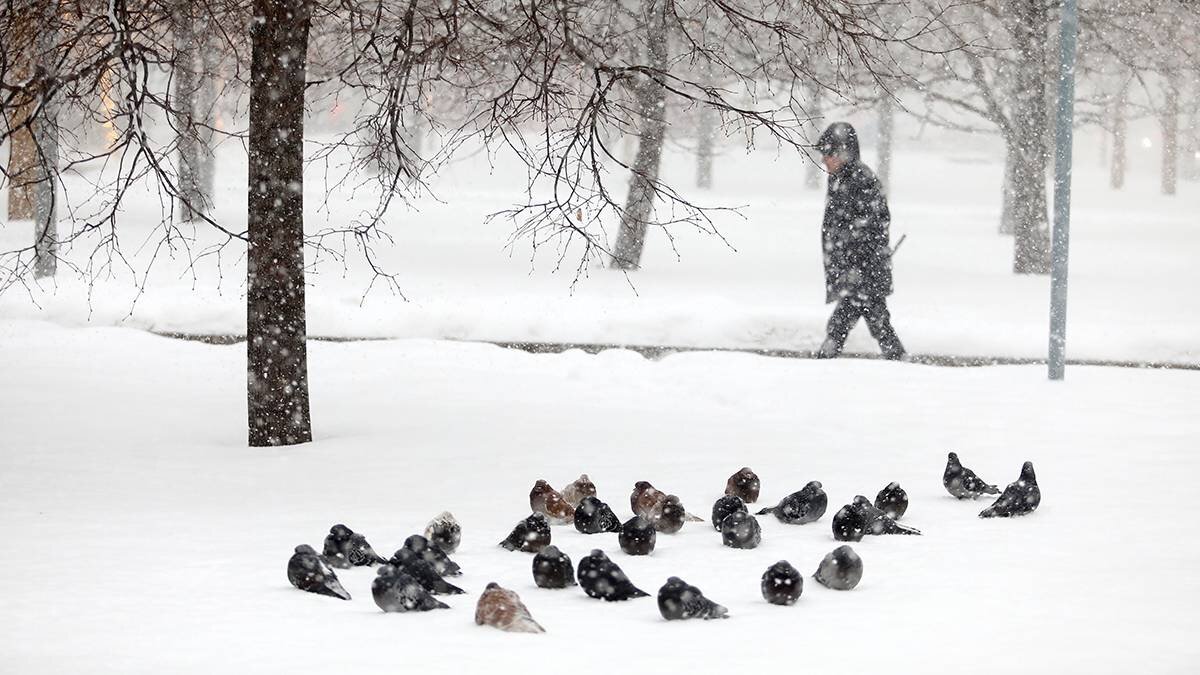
{"x":637,"y":536}
{"x":849,"y":523}
{"x":962,"y":482}
{"x":395,"y":591}
{"x":360,"y":553}
{"x":434,"y":555}
{"x":741,"y":530}
{"x":1019,"y":498}
{"x":529,"y":536}
{"x":672,"y":517}
{"x":878,"y":522}
{"x":798,"y":508}
{"x":337,"y":542}
{"x":725,"y":506}
{"x":782,"y":584}
{"x":593,"y":516}
{"x":423,"y":571}
{"x":892,"y":500}
{"x":840,"y":570}
{"x":553,"y":569}
{"x":603,"y":579}
{"x":308,"y":572}
{"x":677,"y":600}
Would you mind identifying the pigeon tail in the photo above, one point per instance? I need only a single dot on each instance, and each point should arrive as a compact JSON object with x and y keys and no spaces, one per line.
{"x":766,"y":511}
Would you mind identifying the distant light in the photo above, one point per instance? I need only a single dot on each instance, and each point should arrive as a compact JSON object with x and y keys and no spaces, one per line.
{"x":1147,"y":143}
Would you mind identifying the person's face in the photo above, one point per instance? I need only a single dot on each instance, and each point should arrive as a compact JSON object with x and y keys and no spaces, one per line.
{"x":833,"y":163}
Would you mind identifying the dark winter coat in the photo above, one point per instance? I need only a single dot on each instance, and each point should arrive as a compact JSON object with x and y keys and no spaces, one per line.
{"x":854,"y":234}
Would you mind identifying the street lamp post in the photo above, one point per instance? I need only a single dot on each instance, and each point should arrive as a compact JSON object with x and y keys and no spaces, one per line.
{"x":1062,"y":191}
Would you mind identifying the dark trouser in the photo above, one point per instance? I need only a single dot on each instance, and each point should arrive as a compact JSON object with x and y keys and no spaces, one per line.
{"x":879,"y":321}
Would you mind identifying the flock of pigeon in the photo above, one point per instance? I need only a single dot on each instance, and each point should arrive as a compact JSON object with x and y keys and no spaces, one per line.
{"x":415,"y":573}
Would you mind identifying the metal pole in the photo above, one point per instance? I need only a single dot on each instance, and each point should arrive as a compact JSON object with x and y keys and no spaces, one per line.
{"x":1062,"y":191}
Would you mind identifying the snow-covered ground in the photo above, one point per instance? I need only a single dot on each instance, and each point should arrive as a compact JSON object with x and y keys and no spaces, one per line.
{"x":143,"y":536}
{"x":1132,"y":292}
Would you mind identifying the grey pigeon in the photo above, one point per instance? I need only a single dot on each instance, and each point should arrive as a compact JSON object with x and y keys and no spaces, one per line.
{"x":603,"y":579}
{"x":892,"y":500}
{"x":529,"y":536}
{"x":798,"y":508}
{"x":434,"y":555}
{"x":395,"y":591}
{"x":1019,"y":498}
{"x":677,"y":600}
{"x":423,"y":571}
{"x":741,"y":530}
{"x":553,"y":569}
{"x":725,"y":506}
{"x":360,"y":554}
{"x":336,"y":544}
{"x":840,"y":570}
{"x":308,"y":572}
{"x":962,"y":482}
{"x":878,"y":522}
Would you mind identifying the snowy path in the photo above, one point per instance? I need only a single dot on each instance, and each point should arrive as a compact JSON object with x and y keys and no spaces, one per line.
{"x":143,"y":537}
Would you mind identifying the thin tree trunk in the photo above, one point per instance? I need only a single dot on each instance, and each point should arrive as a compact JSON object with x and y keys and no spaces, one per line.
{"x":706,"y":131}
{"x":812,"y":170}
{"x":45,"y":135}
{"x":1170,"y":132}
{"x":705,"y":135}
{"x":1116,"y":172}
{"x":183,"y":104}
{"x":1031,"y":233}
{"x":276,"y":354}
{"x":887,"y":125}
{"x":652,"y":109}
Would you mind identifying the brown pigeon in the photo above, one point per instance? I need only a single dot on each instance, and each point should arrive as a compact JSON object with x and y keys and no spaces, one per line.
{"x":576,"y":491}
{"x":547,"y":501}
{"x":501,"y":608}
{"x":743,"y":484}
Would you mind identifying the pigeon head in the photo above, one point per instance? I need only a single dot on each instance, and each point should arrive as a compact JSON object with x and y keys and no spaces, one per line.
{"x":551,"y":552}
{"x":386,"y":571}
{"x":305,"y":549}
{"x":491,"y":585}
{"x":642,"y":485}
{"x":341,"y":531}
{"x":598,"y":554}
{"x":416,"y":543}
{"x":952,"y":458}
{"x":1027,"y":474}
{"x":402,"y":556}
{"x":814,"y":485}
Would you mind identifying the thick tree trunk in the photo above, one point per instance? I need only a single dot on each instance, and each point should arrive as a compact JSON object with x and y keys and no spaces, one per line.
{"x":1007,"y":217}
{"x":887,"y":125}
{"x":1116,"y":171}
{"x":1031,"y":226}
{"x":183,"y":104}
{"x":813,"y":173}
{"x":22,"y":152}
{"x":45,"y":174}
{"x":276,"y":354}
{"x":1170,"y":132}
{"x":652,"y":109}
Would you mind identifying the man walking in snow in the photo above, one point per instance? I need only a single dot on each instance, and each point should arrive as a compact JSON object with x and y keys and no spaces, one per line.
{"x":854,"y":235}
